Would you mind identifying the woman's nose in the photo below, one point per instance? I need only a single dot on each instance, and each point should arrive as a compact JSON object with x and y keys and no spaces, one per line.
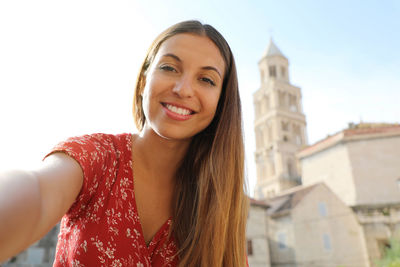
{"x":184,"y":87}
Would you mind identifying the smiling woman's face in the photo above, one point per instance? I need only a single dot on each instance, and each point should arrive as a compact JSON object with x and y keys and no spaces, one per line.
{"x":183,"y":86}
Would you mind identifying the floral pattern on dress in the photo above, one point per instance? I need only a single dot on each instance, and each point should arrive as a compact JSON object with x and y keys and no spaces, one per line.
{"x":102,"y":227}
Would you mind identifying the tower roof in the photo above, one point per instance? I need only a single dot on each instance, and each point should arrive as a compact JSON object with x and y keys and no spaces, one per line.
{"x":272,"y":50}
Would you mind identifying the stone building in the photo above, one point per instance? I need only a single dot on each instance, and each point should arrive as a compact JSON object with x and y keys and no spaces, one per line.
{"x":257,"y":235}
{"x":311,"y":226}
{"x":362,"y":166}
{"x":280,"y":125}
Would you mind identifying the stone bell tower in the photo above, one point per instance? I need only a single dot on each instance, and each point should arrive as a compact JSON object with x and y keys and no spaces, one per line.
{"x":280,"y":126}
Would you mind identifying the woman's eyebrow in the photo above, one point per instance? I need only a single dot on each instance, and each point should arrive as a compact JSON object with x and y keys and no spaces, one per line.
{"x":212,"y":68}
{"x":173,"y":56}
{"x":204,"y":68}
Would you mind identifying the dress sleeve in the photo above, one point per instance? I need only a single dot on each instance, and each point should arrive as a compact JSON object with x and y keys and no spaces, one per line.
{"x":94,"y":153}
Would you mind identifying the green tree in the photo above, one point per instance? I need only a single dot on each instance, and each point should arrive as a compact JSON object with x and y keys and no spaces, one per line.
{"x":391,"y":257}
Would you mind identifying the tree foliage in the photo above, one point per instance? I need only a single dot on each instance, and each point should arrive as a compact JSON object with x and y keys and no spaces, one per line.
{"x":391,"y":257}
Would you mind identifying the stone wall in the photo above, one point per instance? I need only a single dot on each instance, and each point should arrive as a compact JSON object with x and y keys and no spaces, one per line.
{"x":256,"y":235}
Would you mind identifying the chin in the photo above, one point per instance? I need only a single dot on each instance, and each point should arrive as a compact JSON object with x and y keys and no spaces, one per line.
{"x":174,"y":135}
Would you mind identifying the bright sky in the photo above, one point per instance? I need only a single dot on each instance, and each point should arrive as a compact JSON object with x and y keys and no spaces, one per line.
{"x":69,"y":67}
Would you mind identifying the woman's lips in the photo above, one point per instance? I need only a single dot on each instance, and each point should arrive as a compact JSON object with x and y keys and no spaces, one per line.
{"x":177,"y":112}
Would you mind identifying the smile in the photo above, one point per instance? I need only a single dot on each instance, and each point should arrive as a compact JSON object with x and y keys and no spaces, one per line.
{"x":177,"y":113}
{"x":178,"y":110}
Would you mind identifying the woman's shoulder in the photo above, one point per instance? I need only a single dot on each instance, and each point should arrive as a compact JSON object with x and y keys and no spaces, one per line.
{"x":96,"y":140}
{"x":96,"y":147}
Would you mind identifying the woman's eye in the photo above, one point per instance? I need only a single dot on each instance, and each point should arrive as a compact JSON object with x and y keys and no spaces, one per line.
{"x":207,"y":80}
{"x":167,"y":68}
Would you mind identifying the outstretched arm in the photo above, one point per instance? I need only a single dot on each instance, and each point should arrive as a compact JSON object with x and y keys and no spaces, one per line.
{"x":32,"y":202}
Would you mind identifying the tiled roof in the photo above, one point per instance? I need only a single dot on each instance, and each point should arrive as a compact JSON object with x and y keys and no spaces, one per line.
{"x":354,"y":132}
{"x":288,"y":200}
{"x":256,"y":202}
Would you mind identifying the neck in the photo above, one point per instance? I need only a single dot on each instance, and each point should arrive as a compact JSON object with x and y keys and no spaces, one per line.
{"x":159,"y":156}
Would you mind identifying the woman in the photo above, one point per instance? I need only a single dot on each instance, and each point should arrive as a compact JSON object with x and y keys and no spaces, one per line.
{"x":173,"y":195}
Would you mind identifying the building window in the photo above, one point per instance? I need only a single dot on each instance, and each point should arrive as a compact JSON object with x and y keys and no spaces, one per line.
{"x":327,"y":242}
{"x":283,"y":72}
{"x":290,"y":168}
{"x":285,"y":138}
{"x":285,"y":126}
{"x":282,"y":241}
{"x":272,"y":71}
{"x":297,"y":134}
{"x":293,"y":103}
{"x":249,"y":247}
{"x":398,"y":183}
{"x":322,"y":209}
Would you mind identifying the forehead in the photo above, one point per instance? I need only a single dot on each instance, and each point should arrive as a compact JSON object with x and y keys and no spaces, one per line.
{"x":194,"y":49}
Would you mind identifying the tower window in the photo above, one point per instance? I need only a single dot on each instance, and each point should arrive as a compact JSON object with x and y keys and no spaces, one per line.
{"x":285,"y":126}
{"x":283,"y":72}
{"x":272,"y":71}
{"x":285,"y":138}
{"x":290,"y":168}
{"x":292,"y":103}
{"x":297,"y":134}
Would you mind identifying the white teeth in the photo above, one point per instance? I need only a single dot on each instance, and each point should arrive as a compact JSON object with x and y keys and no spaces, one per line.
{"x":180,"y":111}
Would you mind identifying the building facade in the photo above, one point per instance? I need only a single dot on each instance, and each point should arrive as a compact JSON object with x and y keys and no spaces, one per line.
{"x":257,"y":235}
{"x":280,"y":126}
{"x":311,"y":226}
{"x":361,"y":165}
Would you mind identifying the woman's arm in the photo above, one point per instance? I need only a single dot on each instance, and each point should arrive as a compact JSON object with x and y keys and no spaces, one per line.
{"x":32,"y":202}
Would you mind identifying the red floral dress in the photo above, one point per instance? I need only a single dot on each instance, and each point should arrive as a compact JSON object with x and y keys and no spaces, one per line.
{"x":102,"y":227}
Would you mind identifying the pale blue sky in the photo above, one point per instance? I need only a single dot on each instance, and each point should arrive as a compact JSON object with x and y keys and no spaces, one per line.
{"x":69,"y":67}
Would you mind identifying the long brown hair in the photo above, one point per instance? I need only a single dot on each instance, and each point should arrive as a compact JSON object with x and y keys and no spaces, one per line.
{"x":210,"y":205}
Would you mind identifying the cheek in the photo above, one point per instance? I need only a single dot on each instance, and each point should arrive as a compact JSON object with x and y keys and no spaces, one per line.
{"x":212,"y":104}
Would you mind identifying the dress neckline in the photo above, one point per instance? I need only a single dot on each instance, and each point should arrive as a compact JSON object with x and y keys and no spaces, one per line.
{"x":164,"y":229}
